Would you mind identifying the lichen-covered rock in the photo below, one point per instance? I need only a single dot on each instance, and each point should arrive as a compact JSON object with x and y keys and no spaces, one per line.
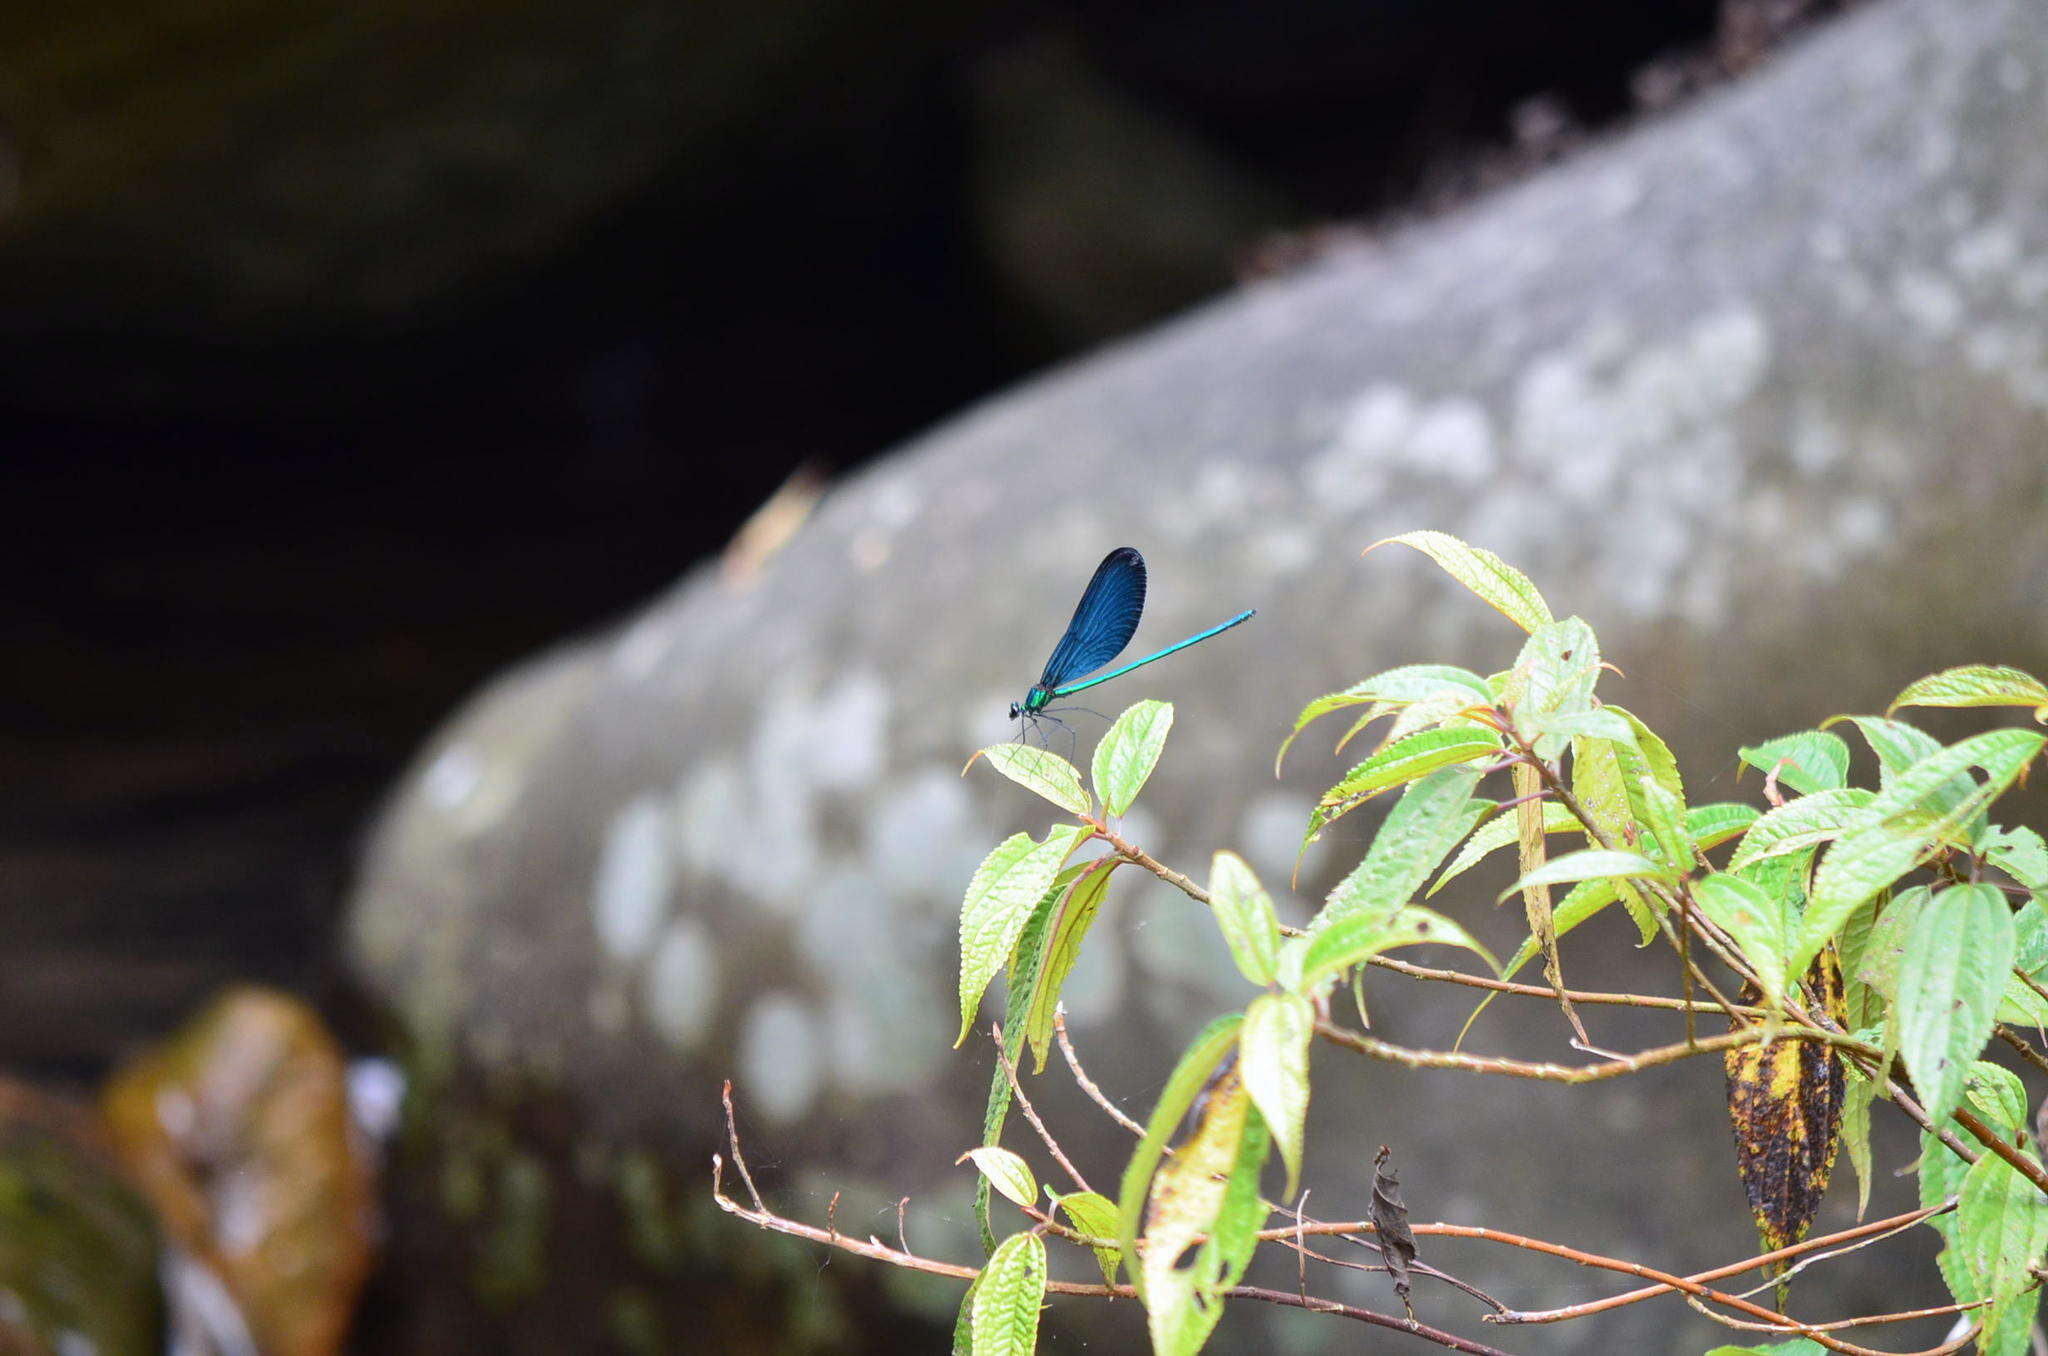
{"x":78,"y":1246}
{"x":1761,"y":391}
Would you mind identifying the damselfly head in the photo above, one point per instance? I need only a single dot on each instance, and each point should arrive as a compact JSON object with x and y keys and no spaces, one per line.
{"x":1015,"y":710}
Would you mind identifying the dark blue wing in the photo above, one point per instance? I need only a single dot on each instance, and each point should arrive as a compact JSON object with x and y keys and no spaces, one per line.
{"x":1104,"y":619}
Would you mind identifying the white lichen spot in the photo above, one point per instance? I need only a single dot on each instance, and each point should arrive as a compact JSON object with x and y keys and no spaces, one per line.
{"x":1985,"y":254}
{"x":1452,"y":439}
{"x":633,"y":877}
{"x":1829,"y":242}
{"x":1928,"y":301}
{"x":1562,"y":429}
{"x":1818,"y":443}
{"x":849,"y":732}
{"x":1348,"y":473}
{"x":680,"y":991}
{"x":710,"y":817}
{"x":639,"y":652}
{"x":451,"y":778}
{"x":1270,"y":831}
{"x":1281,"y":550}
{"x":1861,"y":524}
{"x":780,"y":1057}
{"x":2013,"y":75}
{"x":1731,"y":350}
{"x":917,"y":834}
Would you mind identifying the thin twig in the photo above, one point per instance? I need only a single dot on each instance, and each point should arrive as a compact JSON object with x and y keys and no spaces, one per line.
{"x":1567,"y":1073}
{"x":2023,"y":1046}
{"x":1867,"y":1320}
{"x":1588,"y":996}
{"x":1137,"y":856}
{"x":1059,"y":1030}
{"x":1031,"y":1113}
{"x":882,"y":1252}
{"x":732,"y":1134}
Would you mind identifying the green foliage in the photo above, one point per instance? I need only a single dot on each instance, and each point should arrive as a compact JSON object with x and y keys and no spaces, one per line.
{"x":1899,"y":909}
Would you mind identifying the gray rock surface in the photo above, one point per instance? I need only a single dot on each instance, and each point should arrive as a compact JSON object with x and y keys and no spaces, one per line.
{"x":1761,"y":391}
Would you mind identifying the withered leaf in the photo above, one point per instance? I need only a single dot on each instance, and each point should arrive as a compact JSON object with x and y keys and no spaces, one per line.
{"x":1390,"y":1222}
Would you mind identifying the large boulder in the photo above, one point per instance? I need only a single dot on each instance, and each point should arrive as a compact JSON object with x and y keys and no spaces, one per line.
{"x":1760,"y":390}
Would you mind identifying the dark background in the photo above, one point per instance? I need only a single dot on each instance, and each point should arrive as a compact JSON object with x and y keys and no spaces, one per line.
{"x":272,"y":520}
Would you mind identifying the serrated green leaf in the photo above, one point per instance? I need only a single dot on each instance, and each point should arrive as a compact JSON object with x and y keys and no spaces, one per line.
{"x":1857,"y":1094}
{"x":1802,"y":823}
{"x":1499,"y":832}
{"x":1272,"y":1058}
{"x":1765,"y":928}
{"x":1898,"y":829}
{"x":1206,"y":1188}
{"x":2021,"y":853}
{"x":1244,"y":914}
{"x":1128,"y":753}
{"x":2000,"y":1230}
{"x":1024,"y":968}
{"x":1071,"y":919}
{"x":1094,"y":1214}
{"x":1002,"y":1308}
{"x":1589,"y":864}
{"x":1005,"y":1171}
{"x":1411,"y":758}
{"x":1976,"y":685}
{"x":1664,"y":815}
{"x":1450,"y":711}
{"x":1358,"y":937}
{"x":1429,"y":819}
{"x":1553,"y":683}
{"x":1807,"y":761}
{"x":1499,"y":585}
{"x":1797,"y":1346}
{"x":1201,"y":1059}
{"x":1041,"y":772}
{"x":1005,"y":890}
{"x":1953,"y":970}
{"x":1883,"y":947}
{"x":1998,"y":1093}
{"x":1598,"y":723}
{"x":1712,"y":825}
{"x":1391,"y":690}
{"x":1606,"y":779}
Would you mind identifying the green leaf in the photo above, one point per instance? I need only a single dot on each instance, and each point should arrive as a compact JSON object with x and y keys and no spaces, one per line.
{"x":1006,"y":1172}
{"x":1607,"y":779}
{"x":1802,"y":823}
{"x":1183,"y":1085}
{"x":1499,"y":585}
{"x":1664,"y":815}
{"x":1976,"y":685}
{"x":1762,"y":926}
{"x":1061,"y":947}
{"x":1005,"y":890}
{"x":1040,"y":771}
{"x":1712,"y":825}
{"x":1244,"y":913}
{"x":1411,"y":758}
{"x":1856,"y":1098}
{"x":1797,"y":1346}
{"x":1129,"y":752}
{"x":1809,"y":761}
{"x":1210,"y":1187}
{"x":1002,"y":1308}
{"x":1898,"y":831}
{"x":1883,"y":948}
{"x":1272,"y":1055}
{"x":1024,"y":974}
{"x":1897,"y":745}
{"x":1599,"y":723}
{"x":1998,"y":1093}
{"x":1953,"y":970}
{"x":1358,"y":937}
{"x":2020,"y":853}
{"x":1499,"y":832}
{"x":1428,"y":820}
{"x":1094,"y":1214}
{"x":2001,"y":1229}
{"x":1589,"y":864}
{"x":1394,"y":688}
{"x":1553,"y":681}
